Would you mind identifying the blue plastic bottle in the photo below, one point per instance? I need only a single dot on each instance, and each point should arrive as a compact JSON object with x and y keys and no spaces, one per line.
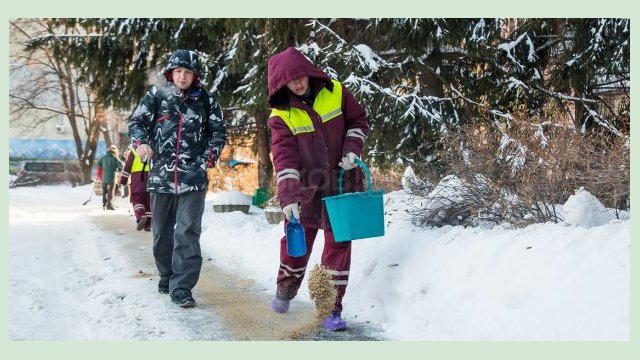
{"x":296,"y":242}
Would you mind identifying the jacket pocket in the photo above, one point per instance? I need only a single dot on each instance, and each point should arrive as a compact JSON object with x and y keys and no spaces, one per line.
{"x":307,"y":193}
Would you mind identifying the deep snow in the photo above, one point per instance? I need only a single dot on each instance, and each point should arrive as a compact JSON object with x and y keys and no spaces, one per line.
{"x":543,"y":282}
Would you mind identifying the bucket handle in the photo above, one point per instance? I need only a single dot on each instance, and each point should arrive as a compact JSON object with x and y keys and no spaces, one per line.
{"x":364,"y":168}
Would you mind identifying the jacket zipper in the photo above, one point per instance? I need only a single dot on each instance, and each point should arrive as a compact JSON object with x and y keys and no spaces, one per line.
{"x":323,"y":133}
{"x":175,"y":169}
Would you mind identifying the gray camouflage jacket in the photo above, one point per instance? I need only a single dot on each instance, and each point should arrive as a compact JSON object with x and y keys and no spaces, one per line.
{"x":184,"y":143}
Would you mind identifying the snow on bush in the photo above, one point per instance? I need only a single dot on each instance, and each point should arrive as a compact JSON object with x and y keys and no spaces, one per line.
{"x":412,"y":184}
{"x":584,"y":209}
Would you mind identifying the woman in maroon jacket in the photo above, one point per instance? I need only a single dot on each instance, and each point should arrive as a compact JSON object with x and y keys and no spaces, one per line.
{"x":317,"y":127}
{"x":138,"y":170}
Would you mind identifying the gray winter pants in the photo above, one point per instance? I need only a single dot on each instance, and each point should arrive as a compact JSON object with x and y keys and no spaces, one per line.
{"x":177,"y":223}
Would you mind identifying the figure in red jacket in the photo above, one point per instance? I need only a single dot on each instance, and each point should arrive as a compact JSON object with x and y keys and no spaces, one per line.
{"x":317,"y":127}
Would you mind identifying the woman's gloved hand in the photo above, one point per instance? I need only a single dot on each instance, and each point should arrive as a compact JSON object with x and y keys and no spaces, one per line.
{"x":348,"y":161}
{"x":292,"y":209}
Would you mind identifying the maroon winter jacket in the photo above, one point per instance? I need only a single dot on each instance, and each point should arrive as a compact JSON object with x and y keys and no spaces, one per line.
{"x":307,"y":164}
{"x":139,"y":179}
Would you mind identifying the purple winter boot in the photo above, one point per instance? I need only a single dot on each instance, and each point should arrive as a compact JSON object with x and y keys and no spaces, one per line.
{"x":334,"y":323}
{"x":280,"y":305}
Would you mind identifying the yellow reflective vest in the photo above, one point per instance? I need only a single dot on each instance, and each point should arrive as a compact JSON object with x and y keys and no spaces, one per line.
{"x":327,"y":104}
{"x":137,"y":164}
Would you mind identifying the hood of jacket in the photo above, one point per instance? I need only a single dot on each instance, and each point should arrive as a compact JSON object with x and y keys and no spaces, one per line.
{"x":285,"y":67}
{"x":187,"y":59}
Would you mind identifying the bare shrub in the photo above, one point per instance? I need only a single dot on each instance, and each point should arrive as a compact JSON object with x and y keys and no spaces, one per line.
{"x":608,"y":175}
{"x":516,"y":174}
{"x":243,"y":178}
{"x":388,"y":179}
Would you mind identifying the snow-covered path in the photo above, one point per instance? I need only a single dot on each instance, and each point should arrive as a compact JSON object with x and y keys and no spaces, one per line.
{"x":82,"y":273}
{"x":70,"y":280}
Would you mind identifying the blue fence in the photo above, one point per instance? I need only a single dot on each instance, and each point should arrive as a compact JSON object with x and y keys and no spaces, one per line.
{"x":48,"y":149}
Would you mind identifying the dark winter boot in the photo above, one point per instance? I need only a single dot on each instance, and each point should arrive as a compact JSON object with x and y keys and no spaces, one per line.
{"x":183,"y":298}
{"x":163,"y":286}
{"x":141,"y":223}
{"x":147,"y":226}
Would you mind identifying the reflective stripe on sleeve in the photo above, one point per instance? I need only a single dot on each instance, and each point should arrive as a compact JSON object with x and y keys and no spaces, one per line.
{"x":356,"y":133}
{"x":287,"y":174}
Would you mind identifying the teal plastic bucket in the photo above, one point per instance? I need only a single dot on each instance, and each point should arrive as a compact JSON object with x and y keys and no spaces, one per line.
{"x":358,"y":215}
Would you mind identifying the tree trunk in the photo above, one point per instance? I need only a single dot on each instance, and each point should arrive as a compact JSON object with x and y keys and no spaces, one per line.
{"x":578,"y":114}
{"x":86,"y":174}
{"x":93,"y":134}
{"x":430,"y":80}
{"x":106,"y":134}
{"x":265,"y":167}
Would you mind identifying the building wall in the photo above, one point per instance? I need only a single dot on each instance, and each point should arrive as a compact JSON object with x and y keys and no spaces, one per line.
{"x":31,"y":133}
{"x":53,"y":139}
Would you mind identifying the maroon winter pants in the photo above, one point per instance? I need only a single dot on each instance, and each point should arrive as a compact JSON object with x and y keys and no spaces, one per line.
{"x":336,"y":257}
{"x":141,"y":206}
